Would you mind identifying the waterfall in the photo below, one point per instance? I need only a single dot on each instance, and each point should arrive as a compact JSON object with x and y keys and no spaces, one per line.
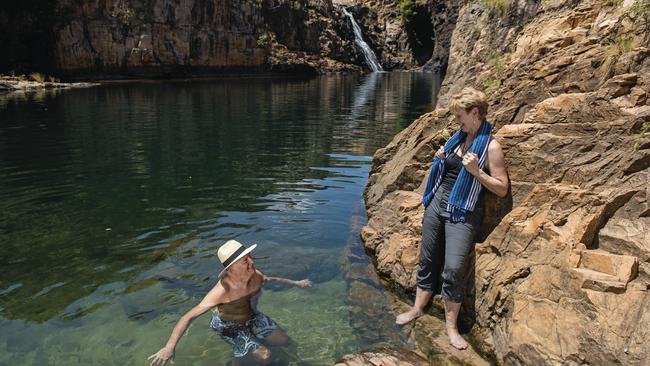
{"x":370,"y":57}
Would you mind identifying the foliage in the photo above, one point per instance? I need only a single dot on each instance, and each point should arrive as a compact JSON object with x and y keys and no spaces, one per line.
{"x":641,"y":135}
{"x":497,"y":60}
{"x":408,"y":9}
{"x":122,"y":12}
{"x":623,"y":44}
{"x":640,"y":8}
{"x":446,"y":134}
{"x":37,"y":77}
{"x":612,"y":53}
{"x":265,"y":39}
{"x":496,"y":7}
{"x":491,"y":83}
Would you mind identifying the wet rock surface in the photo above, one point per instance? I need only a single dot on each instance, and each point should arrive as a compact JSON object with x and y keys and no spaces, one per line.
{"x":16,"y":84}
{"x":372,"y":314}
{"x":561,"y":273}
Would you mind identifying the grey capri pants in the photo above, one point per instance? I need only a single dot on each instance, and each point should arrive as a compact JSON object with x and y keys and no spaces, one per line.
{"x":445,"y":248}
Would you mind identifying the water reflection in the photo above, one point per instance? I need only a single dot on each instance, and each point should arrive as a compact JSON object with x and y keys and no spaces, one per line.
{"x":114,"y":199}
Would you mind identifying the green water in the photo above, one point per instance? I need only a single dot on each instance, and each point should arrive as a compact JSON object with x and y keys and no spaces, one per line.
{"x":114,"y":199}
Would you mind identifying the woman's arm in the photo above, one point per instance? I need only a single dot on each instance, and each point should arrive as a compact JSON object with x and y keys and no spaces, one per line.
{"x":497,"y":181}
{"x":209,"y":301}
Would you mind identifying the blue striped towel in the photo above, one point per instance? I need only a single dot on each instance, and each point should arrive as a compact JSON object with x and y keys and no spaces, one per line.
{"x":466,"y":189}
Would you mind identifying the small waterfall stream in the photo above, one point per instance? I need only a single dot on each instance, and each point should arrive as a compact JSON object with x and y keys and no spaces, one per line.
{"x":368,"y":54}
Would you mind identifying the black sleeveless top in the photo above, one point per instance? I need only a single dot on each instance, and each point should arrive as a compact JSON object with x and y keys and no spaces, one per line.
{"x":453,"y":164}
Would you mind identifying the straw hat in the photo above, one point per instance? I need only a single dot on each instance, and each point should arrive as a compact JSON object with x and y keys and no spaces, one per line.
{"x":231,"y":252}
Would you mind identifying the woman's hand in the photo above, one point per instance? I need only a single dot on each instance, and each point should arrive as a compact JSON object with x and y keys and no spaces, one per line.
{"x":440,"y":154}
{"x":161,"y":357}
{"x":303,"y":283}
{"x":470,"y":162}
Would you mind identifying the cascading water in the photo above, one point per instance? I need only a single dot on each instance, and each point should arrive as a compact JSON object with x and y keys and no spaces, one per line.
{"x":370,"y":57}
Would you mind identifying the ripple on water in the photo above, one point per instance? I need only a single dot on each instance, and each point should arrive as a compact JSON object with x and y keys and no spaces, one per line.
{"x":173,"y":170}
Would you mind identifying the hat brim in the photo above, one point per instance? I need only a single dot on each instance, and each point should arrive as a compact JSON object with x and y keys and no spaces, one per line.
{"x":242,"y":255}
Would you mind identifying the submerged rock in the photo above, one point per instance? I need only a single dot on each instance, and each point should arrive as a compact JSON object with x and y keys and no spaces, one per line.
{"x":427,"y":344}
{"x":384,"y":356}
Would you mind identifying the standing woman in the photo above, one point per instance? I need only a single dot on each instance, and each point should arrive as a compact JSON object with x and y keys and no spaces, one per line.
{"x":469,"y":162}
{"x":235,"y":317}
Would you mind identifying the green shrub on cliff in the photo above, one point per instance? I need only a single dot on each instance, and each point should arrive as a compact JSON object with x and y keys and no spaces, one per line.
{"x":122,"y":12}
{"x":496,"y":7}
{"x":621,"y":45}
{"x":265,"y":39}
{"x":612,"y":52}
{"x":497,"y":60}
{"x":640,"y":9}
{"x":641,"y":135}
{"x":407,"y":8}
{"x":491,"y":83}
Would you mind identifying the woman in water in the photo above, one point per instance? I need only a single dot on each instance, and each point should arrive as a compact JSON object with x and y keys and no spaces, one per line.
{"x":470,"y":162}
{"x":235,"y":316}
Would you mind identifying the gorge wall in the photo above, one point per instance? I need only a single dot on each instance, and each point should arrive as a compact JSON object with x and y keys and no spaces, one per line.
{"x":408,"y":34}
{"x":562,"y":270}
{"x":152,"y":38}
{"x":117,"y":38}
{"x":194,"y":36}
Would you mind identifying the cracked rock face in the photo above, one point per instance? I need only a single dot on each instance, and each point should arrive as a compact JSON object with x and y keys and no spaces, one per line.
{"x":163,"y":37}
{"x":562,"y":269}
{"x":413,"y":37}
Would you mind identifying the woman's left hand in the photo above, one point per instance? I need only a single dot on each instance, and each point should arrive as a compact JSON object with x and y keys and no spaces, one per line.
{"x":470,"y":162}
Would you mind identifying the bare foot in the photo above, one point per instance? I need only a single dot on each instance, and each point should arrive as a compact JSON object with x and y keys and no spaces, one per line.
{"x":456,"y":340}
{"x":409,"y":316}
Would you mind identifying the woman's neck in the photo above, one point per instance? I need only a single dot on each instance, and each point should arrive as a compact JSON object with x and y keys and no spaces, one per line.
{"x":474,"y":130}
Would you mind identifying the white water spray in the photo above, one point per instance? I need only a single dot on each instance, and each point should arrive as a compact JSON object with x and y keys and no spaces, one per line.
{"x":370,"y":57}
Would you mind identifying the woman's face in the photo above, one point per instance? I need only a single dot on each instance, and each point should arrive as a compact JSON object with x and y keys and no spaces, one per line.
{"x":468,"y":121}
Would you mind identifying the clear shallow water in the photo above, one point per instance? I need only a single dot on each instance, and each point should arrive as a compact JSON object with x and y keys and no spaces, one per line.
{"x":113,"y":201}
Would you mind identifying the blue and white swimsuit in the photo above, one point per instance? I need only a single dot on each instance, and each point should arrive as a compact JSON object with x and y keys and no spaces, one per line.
{"x":244,"y":335}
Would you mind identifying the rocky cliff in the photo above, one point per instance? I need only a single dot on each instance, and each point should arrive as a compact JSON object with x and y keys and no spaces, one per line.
{"x":408,"y":34}
{"x":117,"y":38}
{"x":194,"y":36}
{"x":563,"y":268}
